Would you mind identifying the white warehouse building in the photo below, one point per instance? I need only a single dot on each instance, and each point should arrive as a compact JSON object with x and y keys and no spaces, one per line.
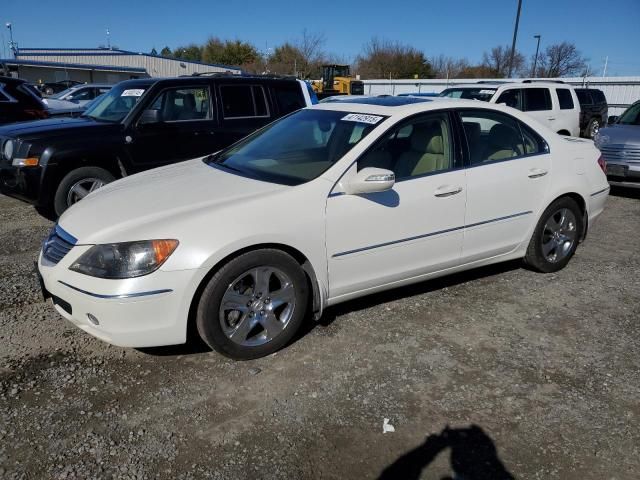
{"x":100,"y":65}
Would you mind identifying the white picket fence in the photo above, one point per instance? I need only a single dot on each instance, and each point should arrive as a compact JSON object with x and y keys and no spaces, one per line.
{"x":619,"y":91}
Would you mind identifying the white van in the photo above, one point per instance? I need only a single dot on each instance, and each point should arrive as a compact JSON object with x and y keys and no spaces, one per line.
{"x":554,"y":104}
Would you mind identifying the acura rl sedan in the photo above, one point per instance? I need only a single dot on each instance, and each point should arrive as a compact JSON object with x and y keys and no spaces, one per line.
{"x":327,"y":204}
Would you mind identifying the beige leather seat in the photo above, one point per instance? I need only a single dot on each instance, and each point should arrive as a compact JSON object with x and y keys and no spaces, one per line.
{"x":504,"y":142}
{"x":427,"y":152}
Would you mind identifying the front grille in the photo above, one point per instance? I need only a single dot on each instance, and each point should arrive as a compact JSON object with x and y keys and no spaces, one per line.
{"x":621,"y":153}
{"x":57,"y":245}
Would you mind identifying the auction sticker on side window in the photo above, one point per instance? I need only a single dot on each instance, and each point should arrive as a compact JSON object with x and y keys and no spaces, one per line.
{"x":134,"y":92}
{"x":362,"y":118}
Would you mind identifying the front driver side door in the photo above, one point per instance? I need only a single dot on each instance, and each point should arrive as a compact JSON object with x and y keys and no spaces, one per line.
{"x":415,"y":228}
{"x":183,"y":128}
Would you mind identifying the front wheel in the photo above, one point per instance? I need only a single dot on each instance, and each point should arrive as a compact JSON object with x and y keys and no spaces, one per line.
{"x":77,"y":184}
{"x":556,"y":236}
{"x":253,"y":305}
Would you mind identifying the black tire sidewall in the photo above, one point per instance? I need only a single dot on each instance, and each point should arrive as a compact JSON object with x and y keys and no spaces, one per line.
{"x":534,"y":257}
{"x":207,"y":320}
{"x":590,"y":127}
{"x":60,"y":197}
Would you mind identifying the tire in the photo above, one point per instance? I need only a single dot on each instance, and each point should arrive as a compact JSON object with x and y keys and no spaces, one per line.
{"x":256,"y":323}
{"x":592,"y":128}
{"x":83,"y":179}
{"x":556,"y":236}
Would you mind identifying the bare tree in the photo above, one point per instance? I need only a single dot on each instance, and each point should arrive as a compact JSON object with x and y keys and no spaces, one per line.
{"x":561,"y":60}
{"x":385,"y":59}
{"x":497,"y":59}
{"x":448,"y":67}
{"x":310,"y":46}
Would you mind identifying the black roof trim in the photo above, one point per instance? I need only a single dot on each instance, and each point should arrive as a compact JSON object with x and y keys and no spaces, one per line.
{"x":387,"y":100}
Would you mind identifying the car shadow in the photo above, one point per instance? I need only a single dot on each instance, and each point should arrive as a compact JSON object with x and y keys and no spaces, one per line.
{"x":633,"y":193}
{"x":369,"y":301}
{"x":473,"y":456}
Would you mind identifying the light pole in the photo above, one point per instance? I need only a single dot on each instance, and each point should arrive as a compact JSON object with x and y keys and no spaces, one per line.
{"x":535,"y":59}
{"x":515,"y":36}
{"x":12,"y":45}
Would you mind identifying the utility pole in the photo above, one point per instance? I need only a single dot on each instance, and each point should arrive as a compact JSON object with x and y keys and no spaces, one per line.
{"x":12,"y":45}
{"x":515,"y":36}
{"x":108,"y":39}
{"x":606,"y":62}
{"x":535,"y":59}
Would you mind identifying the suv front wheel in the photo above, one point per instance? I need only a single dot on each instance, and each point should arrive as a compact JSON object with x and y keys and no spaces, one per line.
{"x":77,"y":184}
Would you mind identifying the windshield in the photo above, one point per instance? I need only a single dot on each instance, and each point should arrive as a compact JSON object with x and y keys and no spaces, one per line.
{"x":116,"y":104}
{"x":631,"y":115}
{"x":483,"y":93}
{"x":299,"y":147}
{"x":63,"y":93}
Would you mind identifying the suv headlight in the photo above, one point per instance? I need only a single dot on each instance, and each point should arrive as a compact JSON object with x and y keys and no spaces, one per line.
{"x":124,"y":260}
{"x":7,"y":149}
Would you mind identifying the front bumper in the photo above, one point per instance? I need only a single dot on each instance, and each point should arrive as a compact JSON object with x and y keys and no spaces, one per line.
{"x":146,"y":311}
{"x":22,"y":183}
{"x":623,"y":174}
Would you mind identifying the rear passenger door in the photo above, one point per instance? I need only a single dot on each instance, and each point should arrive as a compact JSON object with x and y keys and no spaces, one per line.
{"x":243,"y":108}
{"x":538,"y":104}
{"x":506,"y":181}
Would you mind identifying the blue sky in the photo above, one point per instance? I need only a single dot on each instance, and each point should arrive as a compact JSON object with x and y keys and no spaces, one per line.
{"x":458,"y":28}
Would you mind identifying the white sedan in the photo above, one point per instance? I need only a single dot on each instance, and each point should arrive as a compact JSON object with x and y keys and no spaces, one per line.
{"x":330,"y":203}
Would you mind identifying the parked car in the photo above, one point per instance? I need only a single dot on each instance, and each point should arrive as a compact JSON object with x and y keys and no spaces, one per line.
{"x":77,"y":110}
{"x":619,"y":143}
{"x":330,"y":203}
{"x":594,"y":111}
{"x":50,"y":88}
{"x":75,"y":97}
{"x":138,"y":125}
{"x":553,"y":104}
{"x":19,"y":101}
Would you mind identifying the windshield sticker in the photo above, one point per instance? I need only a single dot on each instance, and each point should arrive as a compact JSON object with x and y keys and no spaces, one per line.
{"x":362,"y":118}
{"x":487,"y":92}
{"x":134,"y":92}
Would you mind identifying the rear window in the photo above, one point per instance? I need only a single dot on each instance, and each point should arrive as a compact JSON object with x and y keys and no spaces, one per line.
{"x":598,"y":96}
{"x":584,"y":97}
{"x":289,"y":99}
{"x":564,"y":98}
{"x":536,"y":99}
{"x":243,"y":101}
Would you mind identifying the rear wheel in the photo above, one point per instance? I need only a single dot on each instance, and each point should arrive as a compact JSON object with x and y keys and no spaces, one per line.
{"x":593,"y":128}
{"x":79,"y":183}
{"x":556,"y":236}
{"x":253,"y":305}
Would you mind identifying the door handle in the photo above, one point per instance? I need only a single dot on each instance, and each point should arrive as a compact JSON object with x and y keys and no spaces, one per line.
{"x":551,"y":118}
{"x":537,"y":172}
{"x":447,"y":191}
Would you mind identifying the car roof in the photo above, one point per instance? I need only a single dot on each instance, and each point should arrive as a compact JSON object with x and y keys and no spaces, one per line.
{"x":403,"y":106}
{"x":12,"y":80}
{"x":497,"y":85}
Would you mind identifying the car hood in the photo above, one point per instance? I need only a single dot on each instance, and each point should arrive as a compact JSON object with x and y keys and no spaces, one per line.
{"x":618,"y":135}
{"x":51,"y":127}
{"x":158,"y":201}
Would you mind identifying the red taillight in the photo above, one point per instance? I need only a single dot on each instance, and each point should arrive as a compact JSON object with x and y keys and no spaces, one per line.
{"x":603,"y":164}
{"x":37,"y":114}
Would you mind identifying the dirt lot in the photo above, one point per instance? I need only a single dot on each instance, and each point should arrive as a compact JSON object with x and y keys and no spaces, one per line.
{"x":546,"y":367}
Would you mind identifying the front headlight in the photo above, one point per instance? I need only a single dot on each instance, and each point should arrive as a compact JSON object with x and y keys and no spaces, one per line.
{"x":7,"y":149}
{"x":124,"y":260}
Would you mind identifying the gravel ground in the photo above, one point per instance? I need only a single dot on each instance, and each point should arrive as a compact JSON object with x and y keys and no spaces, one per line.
{"x":535,"y":376}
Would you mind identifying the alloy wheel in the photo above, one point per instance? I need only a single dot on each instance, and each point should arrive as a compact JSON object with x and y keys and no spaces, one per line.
{"x":257,"y":306}
{"x":559,"y":235}
{"x":82,"y":188}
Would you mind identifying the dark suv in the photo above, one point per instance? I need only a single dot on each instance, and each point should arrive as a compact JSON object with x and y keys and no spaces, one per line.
{"x":19,"y":101}
{"x":594,"y":111}
{"x":137,"y":125}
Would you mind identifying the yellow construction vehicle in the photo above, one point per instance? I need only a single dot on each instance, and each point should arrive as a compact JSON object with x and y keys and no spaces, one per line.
{"x":337,"y":80}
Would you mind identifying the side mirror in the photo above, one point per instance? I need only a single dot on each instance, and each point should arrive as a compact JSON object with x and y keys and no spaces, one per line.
{"x":149,"y":116}
{"x":612,"y":119}
{"x":370,"y":180}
